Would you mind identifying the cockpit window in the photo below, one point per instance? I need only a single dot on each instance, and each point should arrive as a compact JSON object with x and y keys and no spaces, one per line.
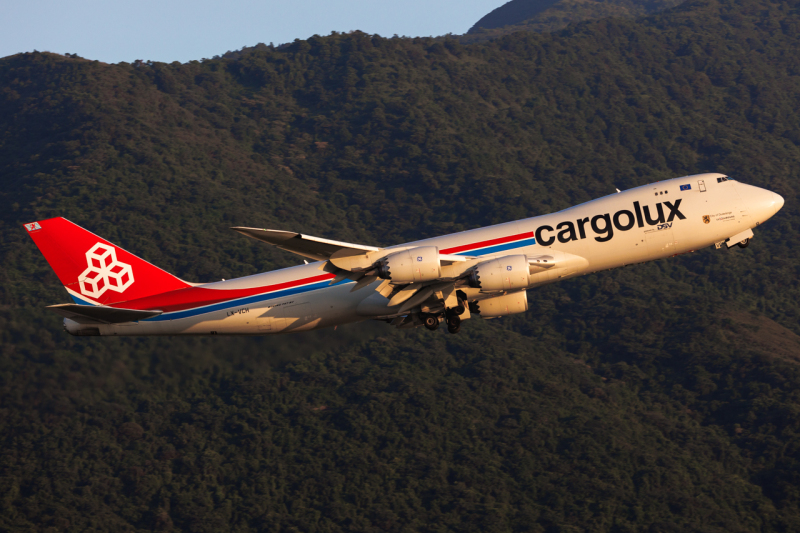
{"x":720,"y":180}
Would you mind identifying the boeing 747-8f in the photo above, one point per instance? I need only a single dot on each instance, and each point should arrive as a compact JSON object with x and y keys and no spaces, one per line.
{"x":484,"y":272}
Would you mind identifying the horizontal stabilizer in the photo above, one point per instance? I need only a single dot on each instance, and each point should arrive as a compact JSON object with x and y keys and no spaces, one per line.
{"x":305,"y":245}
{"x":100,"y":314}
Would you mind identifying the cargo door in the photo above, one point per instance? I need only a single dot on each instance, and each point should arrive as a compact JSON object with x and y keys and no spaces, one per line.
{"x":290,"y":316}
{"x":728,"y":211}
{"x":660,"y":243}
{"x":273,"y":318}
{"x":301,"y":316}
{"x":742,"y":208}
{"x":271,"y":323}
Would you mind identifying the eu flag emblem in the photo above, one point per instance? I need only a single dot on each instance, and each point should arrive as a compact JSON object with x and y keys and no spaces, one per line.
{"x":686,"y":187}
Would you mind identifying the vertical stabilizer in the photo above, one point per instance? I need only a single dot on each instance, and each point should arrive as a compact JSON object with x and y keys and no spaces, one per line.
{"x":93,"y":270}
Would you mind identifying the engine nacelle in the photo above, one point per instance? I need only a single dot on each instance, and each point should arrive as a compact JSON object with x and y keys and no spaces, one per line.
{"x":508,"y":304}
{"x":505,"y":273}
{"x":410,"y":266}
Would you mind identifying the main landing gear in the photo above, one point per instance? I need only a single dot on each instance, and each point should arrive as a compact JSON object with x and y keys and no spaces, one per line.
{"x":451,"y":317}
{"x":453,"y":322}
{"x":743,"y":244}
{"x":430,"y":321}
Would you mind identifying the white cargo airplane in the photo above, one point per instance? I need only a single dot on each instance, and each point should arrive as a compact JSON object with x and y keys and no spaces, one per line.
{"x":483,"y":272}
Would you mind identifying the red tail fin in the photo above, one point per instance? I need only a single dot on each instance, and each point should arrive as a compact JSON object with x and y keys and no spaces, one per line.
{"x":92,"y":269}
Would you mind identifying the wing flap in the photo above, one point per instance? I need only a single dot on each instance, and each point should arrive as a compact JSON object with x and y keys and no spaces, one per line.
{"x":100,"y":314}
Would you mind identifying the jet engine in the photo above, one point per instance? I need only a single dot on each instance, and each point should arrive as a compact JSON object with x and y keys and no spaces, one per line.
{"x":505,"y":273}
{"x":508,"y":304}
{"x":411,"y":266}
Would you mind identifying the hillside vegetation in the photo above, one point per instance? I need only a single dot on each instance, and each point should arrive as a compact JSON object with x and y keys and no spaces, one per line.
{"x":552,"y":15}
{"x":661,"y":397}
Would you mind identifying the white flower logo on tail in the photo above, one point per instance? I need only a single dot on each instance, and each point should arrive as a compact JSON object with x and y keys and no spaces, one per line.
{"x":104,"y":272}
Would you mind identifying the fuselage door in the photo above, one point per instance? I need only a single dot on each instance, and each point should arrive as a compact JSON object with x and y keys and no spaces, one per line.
{"x":701,"y":185}
{"x":660,"y":243}
{"x":271,"y":323}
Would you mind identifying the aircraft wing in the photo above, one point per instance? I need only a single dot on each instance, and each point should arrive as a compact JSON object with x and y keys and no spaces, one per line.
{"x":315,"y":248}
{"x":100,"y":314}
{"x":325,"y":249}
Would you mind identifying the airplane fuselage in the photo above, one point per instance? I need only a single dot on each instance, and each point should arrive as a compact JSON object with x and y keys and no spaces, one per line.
{"x":646,"y":223}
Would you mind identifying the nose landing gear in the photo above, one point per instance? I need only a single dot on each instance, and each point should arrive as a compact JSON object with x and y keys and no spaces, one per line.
{"x":744,"y":243}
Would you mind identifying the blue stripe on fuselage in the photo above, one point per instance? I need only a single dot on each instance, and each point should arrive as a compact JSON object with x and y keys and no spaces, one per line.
{"x":176,"y":315}
{"x":500,"y":247}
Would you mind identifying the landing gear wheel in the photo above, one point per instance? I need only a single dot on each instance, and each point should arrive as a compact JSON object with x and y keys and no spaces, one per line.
{"x":453,"y":323}
{"x":460,"y":308}
{"x":431,"y":322}
{"x":743,"y":244}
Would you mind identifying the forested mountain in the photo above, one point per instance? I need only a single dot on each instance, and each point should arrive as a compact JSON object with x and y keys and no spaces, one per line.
{"x":660,"y":397}
{"x":551,"y":15}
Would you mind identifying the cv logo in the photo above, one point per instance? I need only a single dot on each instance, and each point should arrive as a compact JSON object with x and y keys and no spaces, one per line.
{"x":104,"y":272}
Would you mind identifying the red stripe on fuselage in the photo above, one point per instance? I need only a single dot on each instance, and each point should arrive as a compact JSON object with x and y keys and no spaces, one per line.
{"x":198,"y":296}
{"x":484,"y":244}
{"x":192,"y":297}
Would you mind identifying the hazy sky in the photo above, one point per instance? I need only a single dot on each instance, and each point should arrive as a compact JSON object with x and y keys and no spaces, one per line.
{"x":181,"y":30}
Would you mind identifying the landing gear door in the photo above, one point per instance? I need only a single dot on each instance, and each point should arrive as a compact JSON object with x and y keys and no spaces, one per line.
{"x":701,"y":185}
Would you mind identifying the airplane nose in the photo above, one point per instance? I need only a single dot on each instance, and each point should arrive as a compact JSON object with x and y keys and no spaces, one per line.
{"x":766,"y":203}
{"x":761,"y":204}
{"x":777,"y":202}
